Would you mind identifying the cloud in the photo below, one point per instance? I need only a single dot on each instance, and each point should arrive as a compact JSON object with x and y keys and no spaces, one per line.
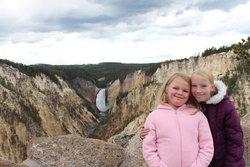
{"x":85,"y":31}
{"x":224,"y":5}
{"x":98,"y":17}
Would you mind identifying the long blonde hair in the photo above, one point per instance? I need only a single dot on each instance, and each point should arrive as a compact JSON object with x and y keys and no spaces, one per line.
{"x":162,"y":97}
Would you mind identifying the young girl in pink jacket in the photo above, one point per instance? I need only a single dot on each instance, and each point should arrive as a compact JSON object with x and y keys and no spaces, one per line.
{"x":179,"y":133}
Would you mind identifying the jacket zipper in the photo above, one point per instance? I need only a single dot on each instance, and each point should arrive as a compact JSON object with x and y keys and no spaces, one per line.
{"x":179,"y":128}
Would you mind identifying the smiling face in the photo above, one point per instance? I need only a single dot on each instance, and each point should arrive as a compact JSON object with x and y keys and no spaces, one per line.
{"x":201,"y":87}
{"x":178,"y":92}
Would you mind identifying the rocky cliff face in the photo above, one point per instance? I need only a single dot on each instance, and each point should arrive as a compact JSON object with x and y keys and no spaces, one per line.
{"x":36,"y":106}
{"x":132,"y":81}
{"x":85,"y":89}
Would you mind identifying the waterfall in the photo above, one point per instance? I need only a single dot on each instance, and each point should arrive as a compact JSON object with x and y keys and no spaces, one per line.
{"x":101,"y":101}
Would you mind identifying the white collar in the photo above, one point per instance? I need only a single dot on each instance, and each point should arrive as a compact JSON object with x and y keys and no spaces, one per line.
{"x":221,"y":92}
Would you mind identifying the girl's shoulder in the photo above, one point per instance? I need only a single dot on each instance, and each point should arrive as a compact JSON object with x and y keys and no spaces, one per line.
{"x":192,"y":108}
{"x":153,"y":113}
{"x":161,"y":109}
{"x":156,"y":115}
{"x":226,"y":104}
{"x":201,"y":114}
{"x":194,"y":111}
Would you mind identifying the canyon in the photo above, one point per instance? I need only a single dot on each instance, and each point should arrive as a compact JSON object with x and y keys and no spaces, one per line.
{"x":37,"y":107}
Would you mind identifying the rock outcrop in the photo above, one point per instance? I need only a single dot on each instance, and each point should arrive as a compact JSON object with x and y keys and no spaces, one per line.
{"x":73,"y":151}
{"x":70,"y":151}
{"x":7,"y":163}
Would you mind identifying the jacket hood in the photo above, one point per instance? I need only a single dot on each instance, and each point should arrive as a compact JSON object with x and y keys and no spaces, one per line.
{"x":221,"y":92}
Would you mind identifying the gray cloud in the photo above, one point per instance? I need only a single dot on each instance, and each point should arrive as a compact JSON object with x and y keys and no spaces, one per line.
{"x":131,"y":7}
{"x":104,"y":20}
{"x":76,"y":19}
{"x":221,"y":4}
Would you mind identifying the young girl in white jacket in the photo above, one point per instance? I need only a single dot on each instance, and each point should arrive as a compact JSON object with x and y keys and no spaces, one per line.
{"x":179,"y":133}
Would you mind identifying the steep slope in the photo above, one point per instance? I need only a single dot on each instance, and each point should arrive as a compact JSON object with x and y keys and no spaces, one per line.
{"x":36,"y":106}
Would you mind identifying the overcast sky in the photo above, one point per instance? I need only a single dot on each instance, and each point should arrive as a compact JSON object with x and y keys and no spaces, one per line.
{"x":128,"y":31}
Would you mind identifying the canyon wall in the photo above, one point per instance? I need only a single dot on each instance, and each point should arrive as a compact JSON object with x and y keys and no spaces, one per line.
{"x":36,"y":106}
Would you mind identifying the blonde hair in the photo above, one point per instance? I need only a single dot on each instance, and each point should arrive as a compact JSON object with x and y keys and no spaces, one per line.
{"x":206,"y":74}
{"x":162,"y":97}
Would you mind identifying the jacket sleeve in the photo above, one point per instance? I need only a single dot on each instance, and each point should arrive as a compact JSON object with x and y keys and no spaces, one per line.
{"x":234,"y":136}
{"x":150,"y":153}
{"x":206,"y":146}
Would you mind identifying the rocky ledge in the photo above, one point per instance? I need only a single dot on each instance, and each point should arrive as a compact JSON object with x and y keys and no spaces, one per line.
{"x":70,"y":151}
{"x":76,"y":151}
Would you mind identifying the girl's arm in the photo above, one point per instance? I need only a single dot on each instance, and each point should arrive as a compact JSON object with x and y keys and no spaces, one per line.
{"x":206,"y":145}
{"x":234,"y":135}
{"x":150,"y":153}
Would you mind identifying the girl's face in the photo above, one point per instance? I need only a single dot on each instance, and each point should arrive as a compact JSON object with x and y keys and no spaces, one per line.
{"x":178,"y":92}
{"x":201,"y":88}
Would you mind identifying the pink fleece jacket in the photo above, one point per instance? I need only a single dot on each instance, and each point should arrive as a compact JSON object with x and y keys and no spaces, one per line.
{"x":177,"y":138}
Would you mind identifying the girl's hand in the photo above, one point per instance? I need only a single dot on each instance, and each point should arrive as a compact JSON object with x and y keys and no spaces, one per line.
{"x":143,"y":132}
